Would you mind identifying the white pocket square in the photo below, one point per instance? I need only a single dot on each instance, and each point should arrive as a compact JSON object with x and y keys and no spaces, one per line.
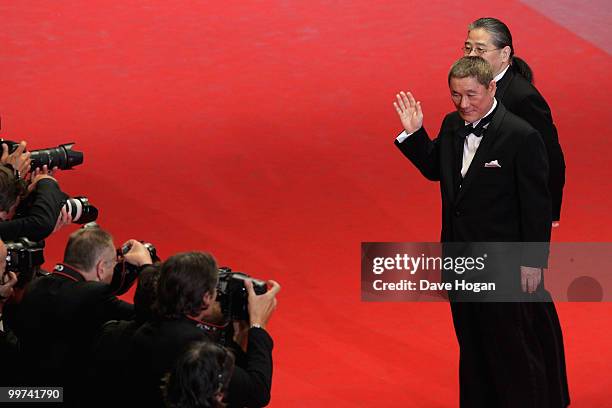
{"x":493,"y":163}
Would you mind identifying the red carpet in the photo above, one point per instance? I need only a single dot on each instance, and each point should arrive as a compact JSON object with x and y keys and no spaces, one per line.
{"x":262,"y":132}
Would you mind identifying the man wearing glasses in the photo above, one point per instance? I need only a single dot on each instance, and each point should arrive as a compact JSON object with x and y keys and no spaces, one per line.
{"x":491,"y":39}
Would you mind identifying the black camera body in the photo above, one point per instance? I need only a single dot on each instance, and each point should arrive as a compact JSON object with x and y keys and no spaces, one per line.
{"x":24,"y":255}
{"x":149,"y":246}
{"x":62,"y":156}
{"x":233,"y":296}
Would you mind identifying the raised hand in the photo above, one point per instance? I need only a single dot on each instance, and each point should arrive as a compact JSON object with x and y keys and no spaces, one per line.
{"x":409,"y":111}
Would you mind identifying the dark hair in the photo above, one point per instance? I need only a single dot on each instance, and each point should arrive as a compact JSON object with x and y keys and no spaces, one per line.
{"x":184,"y":280}
{"x":146,"y":292}
{"x":472,"y":67}
{"x":500,"y":33}
{"x":85,"y":246}
{"x":10,"y":188}
{"x":199,"y":376}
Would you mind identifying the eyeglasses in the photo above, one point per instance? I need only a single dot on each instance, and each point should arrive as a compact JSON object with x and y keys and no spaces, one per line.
{"x":467,"y":50}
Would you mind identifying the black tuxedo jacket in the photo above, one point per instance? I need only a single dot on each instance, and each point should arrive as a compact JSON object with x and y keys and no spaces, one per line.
{"x":510,"y":203}
{"x":520,"y":97}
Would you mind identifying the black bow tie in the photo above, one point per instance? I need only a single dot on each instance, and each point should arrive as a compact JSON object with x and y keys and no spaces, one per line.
{"x":477,"y":130}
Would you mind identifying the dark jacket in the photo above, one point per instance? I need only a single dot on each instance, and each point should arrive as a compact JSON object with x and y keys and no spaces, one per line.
{"x":510,"y":203}
{"x":157,"y":345}
{"x":512,"y":350}
{"x":58,"y":319}
{"x":38,"y":220}
{"x":9,"y":356}
{"x":520,"y":97}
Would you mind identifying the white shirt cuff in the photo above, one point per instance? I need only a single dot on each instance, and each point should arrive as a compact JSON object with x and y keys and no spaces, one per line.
{"x":403,"y":136}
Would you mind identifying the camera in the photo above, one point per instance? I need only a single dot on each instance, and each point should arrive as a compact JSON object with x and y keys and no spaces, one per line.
{"x":149,"y":246}
{"x":125,"y":274}
{"x":81,"y":210}
{"x":232,"y":294}
{"x":24,"y":255}
{"x":62,"y":156}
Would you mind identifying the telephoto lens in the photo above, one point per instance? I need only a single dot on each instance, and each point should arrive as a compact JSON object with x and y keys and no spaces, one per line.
{"x":81,"y":210}
{"x":62,"y":157}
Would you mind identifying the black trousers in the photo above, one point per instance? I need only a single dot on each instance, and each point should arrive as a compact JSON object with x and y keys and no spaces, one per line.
{"x":511,"y":355}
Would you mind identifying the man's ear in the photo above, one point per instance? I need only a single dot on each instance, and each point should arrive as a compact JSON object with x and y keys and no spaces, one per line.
{"x":100,"y":269}
{"x":492,"y":88}
{"x":4,"y":215}
{"x":506,"y":53}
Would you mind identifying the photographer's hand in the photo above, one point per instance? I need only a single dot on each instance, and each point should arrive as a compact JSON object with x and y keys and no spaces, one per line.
{"x":39,"y":175}
{"x":18,"y":159}
{"x":138,"y":254}
{"x":63,"y":219}
{"x":261,"y":306}
{"x":6,"y":285}
{"x":44,"y":170}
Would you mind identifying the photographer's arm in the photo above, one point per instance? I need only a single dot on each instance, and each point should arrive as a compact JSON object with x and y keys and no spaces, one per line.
{"x":108,"y":307}
{"x":42,"y":216}
{"x":126,"y":273}
{"x":250,"y":385}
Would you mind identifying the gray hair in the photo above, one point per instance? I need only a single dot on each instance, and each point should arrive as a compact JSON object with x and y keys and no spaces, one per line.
{"x":86,"y":246}
{"x":472,"y":67}
{"x":501,"y":37}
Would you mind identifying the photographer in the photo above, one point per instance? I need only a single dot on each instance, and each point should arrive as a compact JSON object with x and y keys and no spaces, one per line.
{"x":61,"y":313}
{"x":31,"y":210}
{"x":9,"y":346}
{"x":110,"y":349}
{"x":187,"y":312}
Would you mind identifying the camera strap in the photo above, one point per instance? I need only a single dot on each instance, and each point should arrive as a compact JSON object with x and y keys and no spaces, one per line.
{"x":214,"y":331}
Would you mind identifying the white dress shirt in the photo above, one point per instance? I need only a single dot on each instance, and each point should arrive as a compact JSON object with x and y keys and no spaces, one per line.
{"x":501,"y":74}
{"x":471,"y":144}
